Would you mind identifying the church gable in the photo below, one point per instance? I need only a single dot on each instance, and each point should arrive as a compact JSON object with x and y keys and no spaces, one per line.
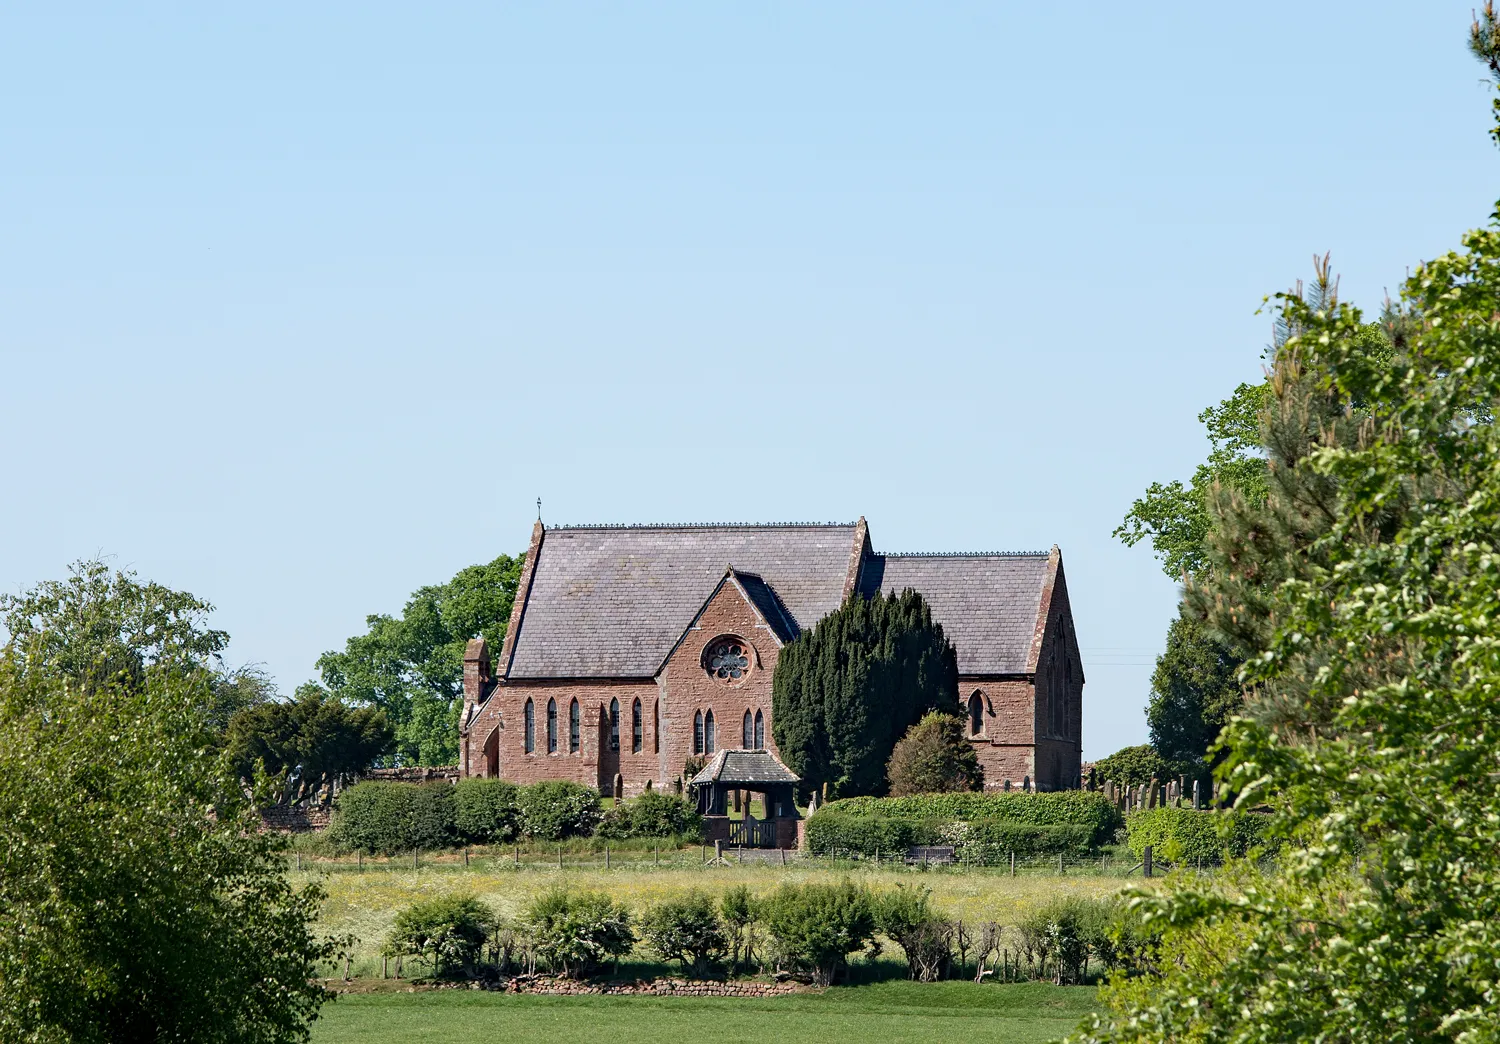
{"x":612,"y":601}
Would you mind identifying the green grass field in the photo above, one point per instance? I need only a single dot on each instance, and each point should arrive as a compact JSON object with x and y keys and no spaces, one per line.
{"x":888,"y":1012}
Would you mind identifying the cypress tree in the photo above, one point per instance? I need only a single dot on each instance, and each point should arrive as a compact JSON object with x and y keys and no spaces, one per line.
{"x":846,"y":690}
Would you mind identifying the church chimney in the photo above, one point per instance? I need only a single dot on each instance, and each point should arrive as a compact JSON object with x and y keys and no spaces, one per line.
{"x":477,"y":680}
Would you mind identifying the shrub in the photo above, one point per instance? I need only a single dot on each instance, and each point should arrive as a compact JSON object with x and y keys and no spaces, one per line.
{"x":738,"y":909}
{"x":815,"y":927}
{"x":1182,"y":835}
{"x":1068,"y":931}
{"x":831,"y":831}
{"x":934,"y":756}
{"x":686,"y":929}
{"x":577,"y":933}
{"x":486,"y":811}
{"x":447,"y":931}
{"x":390,"y":818}
{"x":907,"y":918}
{"x":990,"y":842}
{"x":555,"y":810}
{"x":1058,"y":808}
{"x":651,"y":815}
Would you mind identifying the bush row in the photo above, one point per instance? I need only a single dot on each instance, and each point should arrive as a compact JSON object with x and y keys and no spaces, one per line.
{"x":386,"y":818}
{"x":1186,"y":836}
{"x":810,"y":928}
{"x":982,"y":842}
{"x":1059,"y":808}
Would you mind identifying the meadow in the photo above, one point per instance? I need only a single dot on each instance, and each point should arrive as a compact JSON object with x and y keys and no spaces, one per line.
{"x":363,"y":902}
{"x":891,"y":1012}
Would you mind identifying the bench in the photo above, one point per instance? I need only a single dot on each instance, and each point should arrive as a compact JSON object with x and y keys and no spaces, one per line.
{"x":925,"y":854}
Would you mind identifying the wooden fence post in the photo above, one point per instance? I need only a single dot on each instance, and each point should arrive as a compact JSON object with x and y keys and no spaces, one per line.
{"x":1146,"y":861}
{"x":1012,"y":862}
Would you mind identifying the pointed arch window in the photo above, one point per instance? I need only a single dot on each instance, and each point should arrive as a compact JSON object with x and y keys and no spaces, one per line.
{"x":976,"y":715}
{"x":698,"y":732}
{"x":551,"y":726}
{"x":636,"y":727}
{"x":747,"y":732}
{"x":708,"y":733}
{"x":614,"y":724}
{"x":656,"y":726}
{"x":575,"y":726}
{"x":760,"y":731}
{"x":530,"y":732}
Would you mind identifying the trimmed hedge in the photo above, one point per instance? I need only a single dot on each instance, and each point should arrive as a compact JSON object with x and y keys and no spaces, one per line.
{"x":487,"y":811}
{"x":983,"y":842}
{"x":1059,"y":808}
{"x":832,"y":830}
{"x":390,"y":818}
{"x":1183,"y":835}
{"x":556,"y":809}
{"x":651,"y":815}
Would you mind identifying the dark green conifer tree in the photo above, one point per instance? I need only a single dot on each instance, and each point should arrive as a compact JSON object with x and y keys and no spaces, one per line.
{"x":846,"y":690}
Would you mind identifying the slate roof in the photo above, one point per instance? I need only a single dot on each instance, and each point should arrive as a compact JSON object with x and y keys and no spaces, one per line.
{"x":744,"y":766}
{"x":987,"y":603}
{"x":611,"y":601}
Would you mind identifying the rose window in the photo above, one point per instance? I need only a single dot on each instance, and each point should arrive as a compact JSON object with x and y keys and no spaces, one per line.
{"x":728,"y":659}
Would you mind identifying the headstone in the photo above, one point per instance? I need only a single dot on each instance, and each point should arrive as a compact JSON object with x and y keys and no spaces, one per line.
{"x":1006,"y":787}
{"x":1026,"y":784}
{"x":1151,"y":792}
{"x":648,"y":787}
{"x":1197,"y":794}
{"x":619,"y":787}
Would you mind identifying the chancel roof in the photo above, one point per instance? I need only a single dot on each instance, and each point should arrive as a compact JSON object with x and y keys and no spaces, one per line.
{"x":613,"y":601}
{"x":987,"y":604}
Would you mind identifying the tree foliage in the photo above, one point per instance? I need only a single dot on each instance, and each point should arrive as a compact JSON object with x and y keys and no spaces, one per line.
{"x":687,"y":929}
{"x":138,"y":898}
{"x":1195,"y":689}
{"x":447,"y":930}
{"x":1377,"y":649}
{"x":845,"y":691}
{"x":934,"y":757}
{"x":1133,"y":766}
{"x":412,"y":666}
{"x":306,"y":744}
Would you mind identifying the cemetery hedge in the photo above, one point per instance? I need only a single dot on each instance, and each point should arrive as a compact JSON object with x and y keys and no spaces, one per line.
{"x":1064,"y":808}
{"x":388,"y":818}
{"x":1185,"y":835}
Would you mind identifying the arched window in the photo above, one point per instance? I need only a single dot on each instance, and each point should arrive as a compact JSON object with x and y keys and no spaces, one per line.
{"x":551,"y":726}
{"x":747,"y":732}
{"x":656,"y":727}
{"x":636,"y":727}
{"x":614,"y":724}
{"x":760,"y":732}
{"x":708,"y":733}
{"x":530,"y":736}
{"x":697,"y":732}
{"x":575,"y":722}
{"x":976,"y":715}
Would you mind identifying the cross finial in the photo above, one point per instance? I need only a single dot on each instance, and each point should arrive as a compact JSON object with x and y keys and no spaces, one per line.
{"x":538,"y":509}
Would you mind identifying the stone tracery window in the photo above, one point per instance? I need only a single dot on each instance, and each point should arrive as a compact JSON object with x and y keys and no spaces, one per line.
{"x":635,"y":727}
{"x":747,"y":732}
{"x":551,"y":726}
{"x":708,"y":733}
{"x":530,"y":736}
{"x":727,"y":658}
{"x":614,"y":724}
{"x":760,"y":731}
{"x":575,"y":721}
{"x":698,"y":732}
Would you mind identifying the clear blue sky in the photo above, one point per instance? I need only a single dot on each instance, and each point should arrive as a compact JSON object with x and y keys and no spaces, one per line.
{"x":303,"y":306}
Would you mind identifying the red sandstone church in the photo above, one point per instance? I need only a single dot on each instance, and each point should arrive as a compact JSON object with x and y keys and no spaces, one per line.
{"x":632,"y":649}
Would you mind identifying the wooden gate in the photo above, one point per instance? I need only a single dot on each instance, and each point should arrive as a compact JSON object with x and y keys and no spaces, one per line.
{"x":752,"y":833}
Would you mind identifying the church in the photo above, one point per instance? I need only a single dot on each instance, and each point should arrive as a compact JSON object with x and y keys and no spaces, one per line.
{"x":634,"y":649}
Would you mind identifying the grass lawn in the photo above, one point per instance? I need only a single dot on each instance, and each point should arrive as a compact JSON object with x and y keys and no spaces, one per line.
{"x":888,"y":1012}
